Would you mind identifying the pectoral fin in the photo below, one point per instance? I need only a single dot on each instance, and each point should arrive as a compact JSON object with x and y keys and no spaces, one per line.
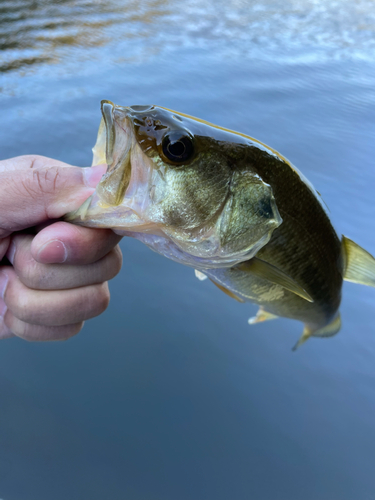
{"x":201,"y":276}
{"x":359,"y":264}
{"x":267,"y":271}
{"x":228,"y":292}
{"x":326,"y":331}
{"x":261,"y":316}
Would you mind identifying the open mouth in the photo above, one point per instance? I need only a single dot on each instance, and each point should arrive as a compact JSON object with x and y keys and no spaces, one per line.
{"x":118,"y":142}
{"x":122,"y":195}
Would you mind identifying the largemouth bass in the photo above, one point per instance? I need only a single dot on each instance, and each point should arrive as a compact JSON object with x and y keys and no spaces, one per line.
{"x":228,"y":205}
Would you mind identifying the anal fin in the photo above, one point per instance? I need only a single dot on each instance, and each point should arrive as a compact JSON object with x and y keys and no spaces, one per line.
{"x":326,"y":331}
{"x":261,"y":316}
{"x":359,"y":264}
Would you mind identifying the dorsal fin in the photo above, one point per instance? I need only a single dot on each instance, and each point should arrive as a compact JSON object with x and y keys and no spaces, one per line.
{"x":359,"y":264}
{"x":267,"y":271}
{"x":326,"y":331}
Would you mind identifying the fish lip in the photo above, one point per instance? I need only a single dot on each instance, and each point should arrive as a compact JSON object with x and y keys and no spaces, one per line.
{"x":93,"y":213}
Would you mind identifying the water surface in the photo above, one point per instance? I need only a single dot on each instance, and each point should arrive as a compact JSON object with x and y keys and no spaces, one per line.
{"x":170,"y":394}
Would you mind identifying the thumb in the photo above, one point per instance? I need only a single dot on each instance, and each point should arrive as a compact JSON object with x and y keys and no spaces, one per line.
{"x":31,"y":196}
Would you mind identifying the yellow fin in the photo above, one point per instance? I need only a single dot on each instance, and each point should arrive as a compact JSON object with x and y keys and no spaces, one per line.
{"x":271,"y":273}
{"x":228,"y":292}
{"x":261,"y":316}
{"x":326,"y":331}
{"x":359,"y":264}
{"x":305,"y":336}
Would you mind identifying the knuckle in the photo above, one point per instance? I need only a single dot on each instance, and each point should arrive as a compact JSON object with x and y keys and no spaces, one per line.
{"x":34,"y":160}
{"x":40,"y":183}
{"x":31,"y":274}
{"x":46,"y":178}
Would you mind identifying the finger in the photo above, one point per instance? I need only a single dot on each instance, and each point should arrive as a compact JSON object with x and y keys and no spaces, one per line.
{"x":34,"y":333}
{"x":54,"y":307}
{"x":30,"y":196}
{"x":5,"y":332}
{"x":4,"y":245}
{"x":57,"y":276}
{"x":63,"y":242}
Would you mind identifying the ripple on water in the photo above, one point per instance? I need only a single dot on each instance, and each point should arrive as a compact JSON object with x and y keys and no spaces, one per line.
{"x":33,"y":34}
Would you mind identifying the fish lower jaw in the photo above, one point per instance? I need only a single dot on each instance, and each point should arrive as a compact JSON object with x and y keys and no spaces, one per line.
{"x":97,"y":214}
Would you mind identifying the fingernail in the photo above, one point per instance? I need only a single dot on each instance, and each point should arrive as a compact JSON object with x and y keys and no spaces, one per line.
{"x":92,"y":175}
{"x":3,"y":308}
{"x":11,"y":251}
{"x":53,"y":252}
{"x":5,"y":333}
{"x":3,"y":283}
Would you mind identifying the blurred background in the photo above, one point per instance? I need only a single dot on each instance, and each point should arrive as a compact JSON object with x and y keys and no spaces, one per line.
{"x":170,"y":394}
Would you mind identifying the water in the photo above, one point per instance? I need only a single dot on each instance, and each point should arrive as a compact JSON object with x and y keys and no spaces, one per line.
{"x":170,"y":394}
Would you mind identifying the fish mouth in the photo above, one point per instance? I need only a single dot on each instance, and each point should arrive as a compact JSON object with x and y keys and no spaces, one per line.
{"x":118,"y":141}
{"x":123,"y":193}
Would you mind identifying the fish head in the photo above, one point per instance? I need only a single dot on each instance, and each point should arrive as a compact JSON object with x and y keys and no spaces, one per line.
{"x":180,"y":185}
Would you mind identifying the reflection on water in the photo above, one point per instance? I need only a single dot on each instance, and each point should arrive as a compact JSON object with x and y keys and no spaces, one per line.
{"x":36,"y":32}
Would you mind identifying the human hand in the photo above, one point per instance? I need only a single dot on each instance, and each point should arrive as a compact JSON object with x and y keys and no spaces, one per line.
{"x":58,"y":277}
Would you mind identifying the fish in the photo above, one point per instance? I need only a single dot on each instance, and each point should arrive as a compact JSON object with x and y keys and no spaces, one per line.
{"x":229,"y":206}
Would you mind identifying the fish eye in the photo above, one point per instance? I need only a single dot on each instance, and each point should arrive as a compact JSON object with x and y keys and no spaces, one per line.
{"x":178,"y":147}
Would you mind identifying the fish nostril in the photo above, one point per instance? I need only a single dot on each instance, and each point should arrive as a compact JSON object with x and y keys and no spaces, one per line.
{"x":141,"y":108}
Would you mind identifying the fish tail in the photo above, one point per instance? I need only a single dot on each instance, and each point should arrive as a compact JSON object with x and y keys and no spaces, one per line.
{"x":359,"y":265}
